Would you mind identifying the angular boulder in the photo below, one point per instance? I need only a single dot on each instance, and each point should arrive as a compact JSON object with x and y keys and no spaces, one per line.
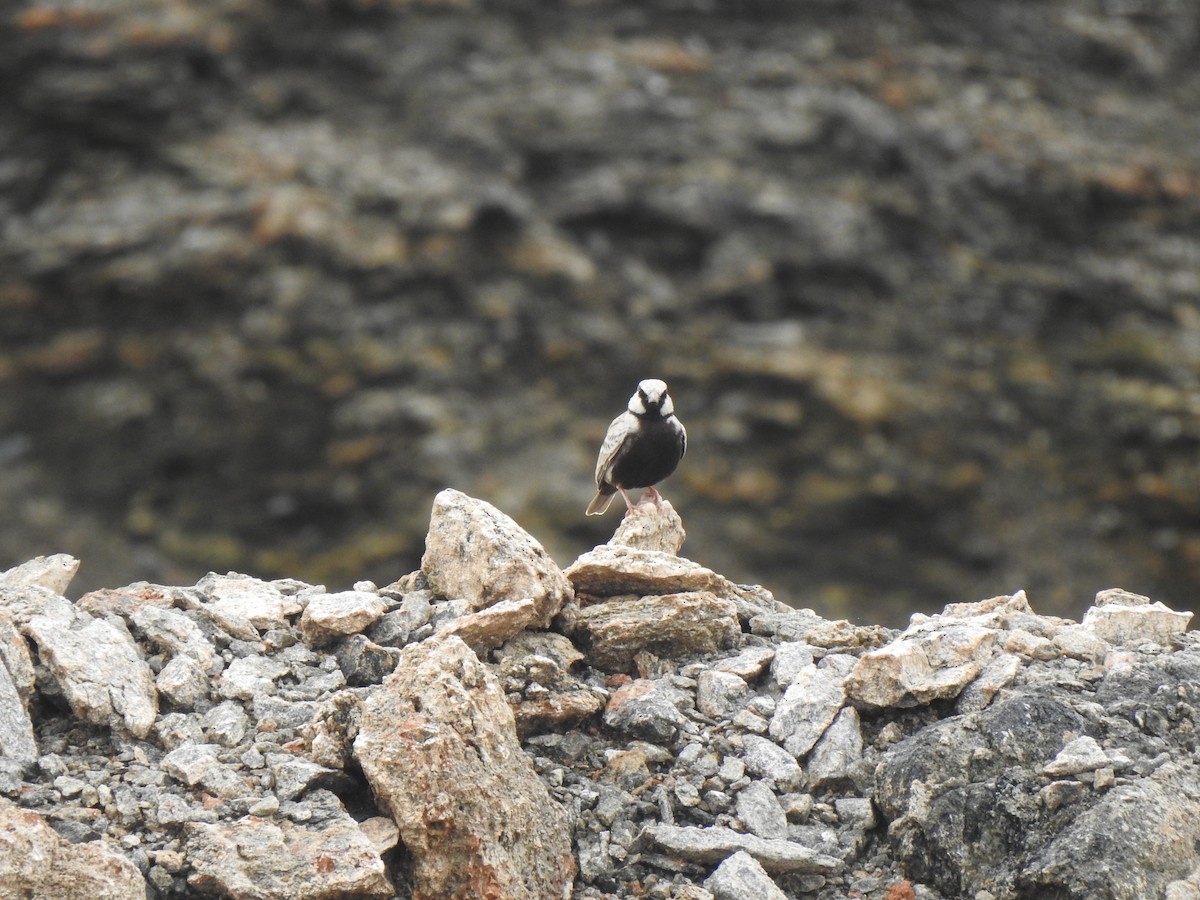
{"x":438,"y":745}
{"x":475,"y":552}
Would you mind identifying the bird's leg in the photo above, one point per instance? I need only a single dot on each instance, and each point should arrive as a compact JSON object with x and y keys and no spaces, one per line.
{"x":629,"y":506}
{"x":655,"y":496}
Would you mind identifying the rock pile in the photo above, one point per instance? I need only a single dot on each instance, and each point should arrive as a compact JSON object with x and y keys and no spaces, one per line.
{"x":633,"y":726}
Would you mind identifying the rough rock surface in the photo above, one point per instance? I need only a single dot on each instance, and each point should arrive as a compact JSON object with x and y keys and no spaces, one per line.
{"x":325,"y":858}
{"x":986,"y":751}
{"x":37,"y":862}
{"x":438,"y":744}
{"x":477,"y":553}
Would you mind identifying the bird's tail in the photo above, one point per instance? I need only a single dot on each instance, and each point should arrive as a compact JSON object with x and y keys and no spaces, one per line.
{"x":599,"y":504}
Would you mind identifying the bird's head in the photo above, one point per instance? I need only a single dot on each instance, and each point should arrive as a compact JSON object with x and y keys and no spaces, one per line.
{"x":651,"y":399}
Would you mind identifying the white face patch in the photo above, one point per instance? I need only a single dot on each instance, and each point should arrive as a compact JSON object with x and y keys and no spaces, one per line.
{"x":651,"y":392}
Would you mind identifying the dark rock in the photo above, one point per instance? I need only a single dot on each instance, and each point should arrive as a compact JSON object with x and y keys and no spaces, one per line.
{"x":649,"y":710}
{"x":364,"y":662}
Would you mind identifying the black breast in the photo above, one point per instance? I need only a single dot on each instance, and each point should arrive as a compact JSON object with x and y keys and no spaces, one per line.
{"x":649,"y":455}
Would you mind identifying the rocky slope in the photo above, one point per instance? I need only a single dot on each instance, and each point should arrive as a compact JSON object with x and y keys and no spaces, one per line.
{"x":922,"y":275}
{"x":634,"y":726}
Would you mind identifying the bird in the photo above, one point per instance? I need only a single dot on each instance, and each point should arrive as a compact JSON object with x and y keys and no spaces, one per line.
{"x":642,"y":447}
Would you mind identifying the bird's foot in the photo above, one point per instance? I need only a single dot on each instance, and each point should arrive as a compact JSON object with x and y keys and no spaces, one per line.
{"x":630,"y":506}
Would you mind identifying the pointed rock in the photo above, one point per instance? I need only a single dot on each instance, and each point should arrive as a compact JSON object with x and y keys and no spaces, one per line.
{"x":51,"y":572}
{"x":657,"y":528}
{"x":740,"y":877}
{"x":438,"y":744}
{"x":475,"y":552}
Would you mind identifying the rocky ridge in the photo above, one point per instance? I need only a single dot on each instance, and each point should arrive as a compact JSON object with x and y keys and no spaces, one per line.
{"x":635,"y":725}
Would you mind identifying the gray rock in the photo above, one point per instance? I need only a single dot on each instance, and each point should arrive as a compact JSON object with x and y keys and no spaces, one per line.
{"x":749,"y":664}
{"x":250,"y":677}
{"x":99,"y":669}
{"x":759,"y":809}
{"x":940,"y":791}
{"x":839,"y":748}
{"x":183,"y":682}
{"x":438,"y":745}
{"x":999,"y":672}
{"x":174,"y":633}
{"x":809,"y":705}
{"x":741,"y":877}
{"x":712,"y":845}
{"x":1082,"y":754}
{"x":791,"y":657}
{"x":364,"y":662}
{"x":720,"y":694}
{"x":281,"y":713}
{"x":17,"y":743}
{"x":226,"y":723}
{"x":197,"y":765}
{"x":293,"y":775}
{"x":15,"y":658}
{"x":396,"y":628}
{"x":1132,"y":843}
{"x":648,"y":709}
{"x":766,"y":759}
{"x":475,"y":552}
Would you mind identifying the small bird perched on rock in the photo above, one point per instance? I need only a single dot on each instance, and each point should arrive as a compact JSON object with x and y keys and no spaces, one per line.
{"x":643,"y":446}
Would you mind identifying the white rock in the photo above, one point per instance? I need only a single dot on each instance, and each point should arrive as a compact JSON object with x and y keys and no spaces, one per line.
{"x":741,"y":877}
{"x":1082,"y":754}
{"x":809,"y":706}
{"x":258,"y":602}
{"x":51,"y":572}
{"x":328,"y":616}
{"x":1119,"y":623}
{"x":838,"y":749}
{"x":932,"y":660}
{"x":100,"y":671}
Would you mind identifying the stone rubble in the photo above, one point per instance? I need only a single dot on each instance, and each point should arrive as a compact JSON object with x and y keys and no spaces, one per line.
{"x":637,"y":726}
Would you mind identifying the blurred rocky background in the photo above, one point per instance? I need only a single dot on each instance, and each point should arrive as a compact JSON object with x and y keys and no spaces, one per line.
{"x":922,"y":276}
